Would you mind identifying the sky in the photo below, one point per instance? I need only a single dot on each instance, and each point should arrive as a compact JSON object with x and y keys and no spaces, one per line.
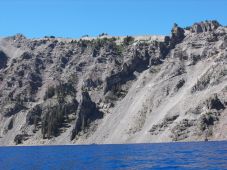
{"x":75,"y":18}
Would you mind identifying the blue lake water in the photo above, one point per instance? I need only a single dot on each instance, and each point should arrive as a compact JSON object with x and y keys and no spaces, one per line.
{"x":195,"y":155}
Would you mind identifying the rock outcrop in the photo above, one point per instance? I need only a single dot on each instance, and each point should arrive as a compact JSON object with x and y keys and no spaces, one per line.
{"x":86,"y":114}
{"x":115,"y":89}
{"x":204,"y":26}
{"x":177,"y":35}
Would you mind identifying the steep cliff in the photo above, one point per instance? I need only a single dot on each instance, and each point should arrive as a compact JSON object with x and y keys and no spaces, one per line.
{"x":115,"y":89}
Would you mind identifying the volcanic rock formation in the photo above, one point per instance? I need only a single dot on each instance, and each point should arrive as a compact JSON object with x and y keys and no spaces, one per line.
{"x":110,"y":89}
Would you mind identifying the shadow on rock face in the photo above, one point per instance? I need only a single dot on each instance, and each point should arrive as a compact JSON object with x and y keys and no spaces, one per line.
{"x":3,"y":60}
{"x":87,"y":112}
{"x":215,"y":103}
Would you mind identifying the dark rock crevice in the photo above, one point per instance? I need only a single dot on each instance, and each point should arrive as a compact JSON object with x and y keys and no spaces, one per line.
{"x":20,"y":138}
{"x":214,"y":103}
{"x":87,"y":113}
{"x":3,"y":60}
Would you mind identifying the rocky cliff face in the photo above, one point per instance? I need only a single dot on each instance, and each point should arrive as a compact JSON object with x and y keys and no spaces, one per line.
{"x":115,"y":89}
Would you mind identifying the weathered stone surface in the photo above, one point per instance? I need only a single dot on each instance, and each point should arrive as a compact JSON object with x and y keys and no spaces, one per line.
{"x":126,"y":86}
{"x":205,"y":26}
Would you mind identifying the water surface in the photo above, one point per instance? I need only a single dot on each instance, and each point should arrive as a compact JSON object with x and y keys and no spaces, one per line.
{"x":195,"y":155}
